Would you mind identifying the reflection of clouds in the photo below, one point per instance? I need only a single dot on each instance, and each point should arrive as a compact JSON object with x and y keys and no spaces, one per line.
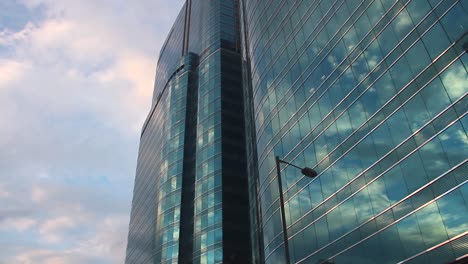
{"x":377,"y":189}
{"x":421,"y":230}
{"x":455,"y":80}
{"x":374,"y":199}
{"x":462,"y":137}
{"x":378,"y":195}
{"x":431,"y":225}
{"x":403,"y":21}
{"x":454,"y":146}
{"x":427,"y":217}
{"x":344,"y":124}
{"x":332,"y":60}
{"x":373,"y":62}
{"x":455,"y":219}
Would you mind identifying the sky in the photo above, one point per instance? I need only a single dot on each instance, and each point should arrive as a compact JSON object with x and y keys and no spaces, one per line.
{"x":76,"y":81}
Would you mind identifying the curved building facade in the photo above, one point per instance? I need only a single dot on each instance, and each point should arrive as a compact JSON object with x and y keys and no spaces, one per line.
{"x":372,"y":95}
{"x":190,"y":202}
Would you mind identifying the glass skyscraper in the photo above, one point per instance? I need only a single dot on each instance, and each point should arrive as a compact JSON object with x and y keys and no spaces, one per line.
{"x":371,"y":94}
{"x":190,"y":201}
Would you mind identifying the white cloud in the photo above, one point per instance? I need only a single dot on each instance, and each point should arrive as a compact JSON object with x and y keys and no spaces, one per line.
{"x":41,"y":256}
{"x":52,"y":229}
{"x":11,"y":71}
{"x":20,"y":224}
{"x":38,"y":194}
{"x":3,"y":192}
{"x":8,"y":37}
{"x":56,"y":225}
{"x":75,"y":88}
{"x":84,"y":50}
{"x":110,"y":239}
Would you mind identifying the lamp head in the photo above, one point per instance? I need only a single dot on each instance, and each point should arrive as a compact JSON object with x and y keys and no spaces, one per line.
{"x":309,"y":172}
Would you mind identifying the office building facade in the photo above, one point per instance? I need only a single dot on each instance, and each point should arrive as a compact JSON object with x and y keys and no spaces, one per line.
{"x":190,"y":201}
{"x":371,"y":94}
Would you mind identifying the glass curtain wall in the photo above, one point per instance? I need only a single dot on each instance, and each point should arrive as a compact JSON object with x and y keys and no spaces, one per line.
{"x":190,"y":199}
{"x":153,"y":229}
{"x":372,"y":95}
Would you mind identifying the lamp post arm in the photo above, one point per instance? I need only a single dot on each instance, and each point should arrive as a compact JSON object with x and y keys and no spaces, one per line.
{"x":285,"y":162}
{"x":306,"y":171}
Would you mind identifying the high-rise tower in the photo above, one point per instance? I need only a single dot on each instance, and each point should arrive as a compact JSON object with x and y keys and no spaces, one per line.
{"x":372,"y":94}
{"x":190,"y":201}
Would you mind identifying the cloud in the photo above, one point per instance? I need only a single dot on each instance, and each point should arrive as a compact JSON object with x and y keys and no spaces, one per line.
{"x":11,"y":71}
{"x":109,"y":230}
{"x":51,"y":229}
{"x":76,"y":79}
{"x":51,"y":257}
{"x":106,"y":245}
{"x":3,"y":192}
{"x":20,"y":224}
{"x":38,"y":194}
{"x":9,"y":37}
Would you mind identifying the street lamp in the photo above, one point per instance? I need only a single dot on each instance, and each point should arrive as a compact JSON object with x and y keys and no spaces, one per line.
{"x":306,"y":171}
